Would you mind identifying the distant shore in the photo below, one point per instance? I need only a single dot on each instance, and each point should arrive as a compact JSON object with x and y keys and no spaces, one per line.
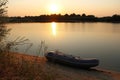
{"x":65,"y":18}
{"x":67,"y":73}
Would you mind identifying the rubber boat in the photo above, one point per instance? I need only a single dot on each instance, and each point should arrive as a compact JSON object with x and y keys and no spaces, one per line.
{"x":70,"y":60}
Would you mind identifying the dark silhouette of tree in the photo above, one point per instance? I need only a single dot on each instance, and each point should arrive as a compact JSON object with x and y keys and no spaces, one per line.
{"x":73,"y":15}
{"x":66,"y":18}
{"x":91,"y":16}
{"x":66,"y":15}
{"x":2,"y":7}
{"x":116,"y":18}
{"x":3,"y":30}
{"x":3,"y":10}
{"x":83,"y":15}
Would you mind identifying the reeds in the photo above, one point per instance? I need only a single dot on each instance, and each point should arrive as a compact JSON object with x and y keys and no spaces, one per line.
{"x":14,"y":66}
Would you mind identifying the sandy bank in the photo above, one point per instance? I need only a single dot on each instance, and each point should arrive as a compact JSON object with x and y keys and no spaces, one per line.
{"x":68,"y":73}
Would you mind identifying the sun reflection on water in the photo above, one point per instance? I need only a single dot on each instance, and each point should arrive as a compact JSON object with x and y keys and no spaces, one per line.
{"x":54,"y":26}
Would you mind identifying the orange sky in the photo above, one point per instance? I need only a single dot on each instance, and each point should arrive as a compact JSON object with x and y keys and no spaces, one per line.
{"x":38,"y":7}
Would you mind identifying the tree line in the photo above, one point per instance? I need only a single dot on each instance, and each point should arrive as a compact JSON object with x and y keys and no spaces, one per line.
{"x":65,"y":18}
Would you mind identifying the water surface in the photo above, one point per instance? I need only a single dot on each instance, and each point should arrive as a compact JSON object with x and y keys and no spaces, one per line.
{"x":99,"y":40}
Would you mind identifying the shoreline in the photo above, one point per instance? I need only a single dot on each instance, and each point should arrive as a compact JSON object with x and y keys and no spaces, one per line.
{"x":114,"y":74}
{"x":43,"y":59}
{"x":68,"y":73}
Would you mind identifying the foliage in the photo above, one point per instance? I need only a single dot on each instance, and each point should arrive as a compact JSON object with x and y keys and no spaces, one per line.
{"x":3,"y":30}
{"x":3,"y":11}
{"x":65,"y":18}
{"x":3,"y":7}
{"x":14,"y":66}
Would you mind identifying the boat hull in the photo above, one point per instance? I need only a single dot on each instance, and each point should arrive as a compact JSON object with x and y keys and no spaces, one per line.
{"x":65,"y":60}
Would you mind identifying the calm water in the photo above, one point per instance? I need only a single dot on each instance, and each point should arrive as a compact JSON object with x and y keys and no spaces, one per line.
{"x":99,"y":40}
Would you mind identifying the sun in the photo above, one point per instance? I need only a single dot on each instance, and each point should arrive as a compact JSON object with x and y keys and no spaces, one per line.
{"x":54,"y":9}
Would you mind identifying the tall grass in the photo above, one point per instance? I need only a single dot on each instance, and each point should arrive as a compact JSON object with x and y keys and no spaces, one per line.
{"x":24,"y":67}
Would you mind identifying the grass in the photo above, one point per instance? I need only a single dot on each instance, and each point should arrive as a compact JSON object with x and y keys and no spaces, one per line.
{"x":21,"y":68}
{"x":14,"y":66}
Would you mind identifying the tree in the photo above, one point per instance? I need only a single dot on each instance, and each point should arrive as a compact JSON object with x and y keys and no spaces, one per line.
{"x":83,"y":15}
{"x":3,"y":10}
{"x":3,"y":29}
{"x":3,"y":7}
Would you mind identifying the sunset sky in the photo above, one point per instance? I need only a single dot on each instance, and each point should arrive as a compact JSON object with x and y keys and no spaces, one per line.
{"x":38,"y":7}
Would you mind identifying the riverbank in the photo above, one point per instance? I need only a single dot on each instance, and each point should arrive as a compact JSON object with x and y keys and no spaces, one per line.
{"x":65,"y":18}
{"x":18,"y":66}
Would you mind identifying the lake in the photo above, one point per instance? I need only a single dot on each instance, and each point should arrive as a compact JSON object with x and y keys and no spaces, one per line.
{"x":98,"y":40}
